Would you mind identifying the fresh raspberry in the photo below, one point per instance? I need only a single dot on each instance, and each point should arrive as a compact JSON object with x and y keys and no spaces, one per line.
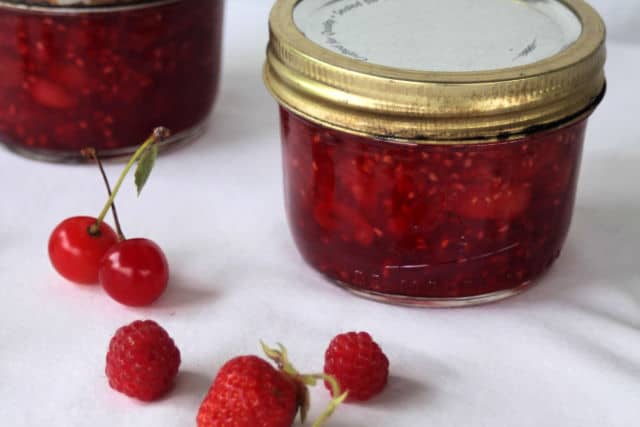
{"x":142,"y":361}
{"x":359,"y":365}
{"x":249,"y":392}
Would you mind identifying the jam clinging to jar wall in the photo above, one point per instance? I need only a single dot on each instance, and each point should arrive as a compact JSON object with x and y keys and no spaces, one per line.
{"x":443,"y":221}
{"x":105,"y":77}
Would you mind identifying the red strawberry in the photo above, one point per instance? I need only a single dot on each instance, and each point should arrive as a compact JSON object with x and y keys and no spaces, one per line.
{"x":142,"y":361}
{"x":250,"y":392}
{"x":359,"y":365}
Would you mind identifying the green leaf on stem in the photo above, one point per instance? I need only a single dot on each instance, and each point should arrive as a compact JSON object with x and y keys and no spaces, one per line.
{"x":145,"y":166}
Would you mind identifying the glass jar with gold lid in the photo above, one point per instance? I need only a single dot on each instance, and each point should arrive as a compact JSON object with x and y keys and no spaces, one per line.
{"x":432,"y":149}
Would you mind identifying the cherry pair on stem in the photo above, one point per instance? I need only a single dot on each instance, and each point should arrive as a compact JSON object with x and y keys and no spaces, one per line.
{"x":86,"y":250}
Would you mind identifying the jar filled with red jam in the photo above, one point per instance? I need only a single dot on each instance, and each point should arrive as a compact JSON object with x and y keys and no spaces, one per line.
{"x":104,"y":73}
{"x":431,"y":149}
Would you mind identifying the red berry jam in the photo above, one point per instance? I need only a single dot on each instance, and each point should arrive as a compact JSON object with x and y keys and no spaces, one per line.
{"x":105,"y":76}
{"x":429,"y":221}
{"x":433,"y":165}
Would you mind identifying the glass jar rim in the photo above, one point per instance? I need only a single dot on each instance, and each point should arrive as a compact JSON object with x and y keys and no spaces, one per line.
{"x":80,"y":6}
{"x":386,"y":102}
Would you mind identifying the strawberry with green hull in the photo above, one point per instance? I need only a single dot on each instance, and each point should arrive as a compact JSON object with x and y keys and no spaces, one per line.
{"x":250,"y":392}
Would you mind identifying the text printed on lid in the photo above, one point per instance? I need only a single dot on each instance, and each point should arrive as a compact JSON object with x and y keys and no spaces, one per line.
{"x":456,"y":35}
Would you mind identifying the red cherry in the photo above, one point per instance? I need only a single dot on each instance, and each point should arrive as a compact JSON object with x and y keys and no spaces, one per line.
{"x":75,"y":252}
{"x":134,"y":272}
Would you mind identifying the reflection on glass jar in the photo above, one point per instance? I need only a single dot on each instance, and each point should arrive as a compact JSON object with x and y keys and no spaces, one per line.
{"x":428,"y":173}
{"x":105,"y":75}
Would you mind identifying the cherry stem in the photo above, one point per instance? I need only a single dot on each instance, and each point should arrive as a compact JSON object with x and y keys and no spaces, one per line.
{"x":92,"y":154}
{"x":158,"y":135}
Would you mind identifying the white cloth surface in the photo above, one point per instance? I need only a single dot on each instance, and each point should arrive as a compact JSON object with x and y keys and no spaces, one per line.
{"x":565,"y":353}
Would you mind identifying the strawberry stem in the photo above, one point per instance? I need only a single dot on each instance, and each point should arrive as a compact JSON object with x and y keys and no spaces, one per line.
{"x":331,"y":408}
{"x":158,"y":135}
{"x":281,"y":359}
{"x":311,"y":379}
{"x":333,"y":382}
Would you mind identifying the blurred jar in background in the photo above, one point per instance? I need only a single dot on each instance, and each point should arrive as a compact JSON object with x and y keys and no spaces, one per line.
{"x":104,"y":73}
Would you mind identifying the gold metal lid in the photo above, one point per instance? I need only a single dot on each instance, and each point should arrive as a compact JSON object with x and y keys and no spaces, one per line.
{"x":360,"y":97}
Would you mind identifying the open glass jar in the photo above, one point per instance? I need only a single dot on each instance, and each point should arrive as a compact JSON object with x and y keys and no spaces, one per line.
{"x":104,"y":73}
{"x":431,"y":149}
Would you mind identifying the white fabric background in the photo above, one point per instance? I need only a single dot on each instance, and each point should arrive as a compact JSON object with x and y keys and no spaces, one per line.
{"x":566,"y":353}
